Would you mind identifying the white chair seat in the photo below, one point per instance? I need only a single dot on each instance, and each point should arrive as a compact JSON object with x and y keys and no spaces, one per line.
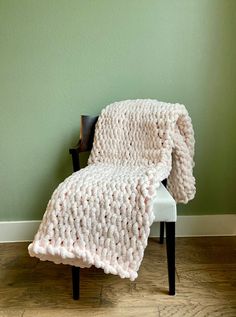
{"x":164,"y":206}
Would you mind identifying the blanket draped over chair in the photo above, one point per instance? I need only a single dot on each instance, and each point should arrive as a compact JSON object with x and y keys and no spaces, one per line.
{"x":101,"y":215}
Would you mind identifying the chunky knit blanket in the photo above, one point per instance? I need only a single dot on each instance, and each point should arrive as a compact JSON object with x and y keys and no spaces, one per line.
{"x":101,"y":215}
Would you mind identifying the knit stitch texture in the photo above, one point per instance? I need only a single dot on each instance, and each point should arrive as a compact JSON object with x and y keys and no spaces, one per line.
{"x":101,"y":215}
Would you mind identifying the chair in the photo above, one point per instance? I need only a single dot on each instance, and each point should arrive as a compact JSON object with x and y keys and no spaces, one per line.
{"x":164,"y":206}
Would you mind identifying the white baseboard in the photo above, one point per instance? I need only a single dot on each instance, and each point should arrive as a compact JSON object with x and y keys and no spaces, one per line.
{"x":198,"y":226}
{"x":186,"y":226}
{"x":18,"y":231}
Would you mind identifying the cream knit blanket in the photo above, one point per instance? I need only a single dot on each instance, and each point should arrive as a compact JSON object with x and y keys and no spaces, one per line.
{"x":101,"y":215}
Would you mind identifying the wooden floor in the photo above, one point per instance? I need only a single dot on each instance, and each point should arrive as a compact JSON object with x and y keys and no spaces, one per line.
{"x":205,"y":273}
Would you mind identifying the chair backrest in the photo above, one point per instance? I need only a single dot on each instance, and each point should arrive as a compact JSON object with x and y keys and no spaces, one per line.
{"x":87,"y":129}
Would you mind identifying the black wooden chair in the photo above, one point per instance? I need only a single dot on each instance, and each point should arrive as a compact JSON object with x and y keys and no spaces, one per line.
{"x":85,"y":143}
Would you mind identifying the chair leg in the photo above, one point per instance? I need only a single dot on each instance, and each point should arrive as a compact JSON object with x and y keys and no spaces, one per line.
{"x":162,"y":232}
{"x":170,"y":248}
{"x":76,"y":282}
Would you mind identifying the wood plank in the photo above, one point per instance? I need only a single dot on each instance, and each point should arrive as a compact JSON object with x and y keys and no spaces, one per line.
{"x":197,"y":311}
{"x":187,"y":294}
{"x":11,"y":313}
{"x":100,"y":312}
{"x":205,"y":271}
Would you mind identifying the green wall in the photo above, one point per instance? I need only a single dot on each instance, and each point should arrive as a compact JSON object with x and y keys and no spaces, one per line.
{"x":63,"y":58}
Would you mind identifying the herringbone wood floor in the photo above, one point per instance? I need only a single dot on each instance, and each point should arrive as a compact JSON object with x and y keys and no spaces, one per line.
{"x":205,"y":273}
